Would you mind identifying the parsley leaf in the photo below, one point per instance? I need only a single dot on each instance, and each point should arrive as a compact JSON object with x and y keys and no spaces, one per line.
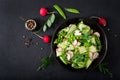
{"x":45,"y":61}
{"x":103,"y":68}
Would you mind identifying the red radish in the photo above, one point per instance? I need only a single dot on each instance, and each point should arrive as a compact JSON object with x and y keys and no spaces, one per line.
{"x":46,"y":39}
{"x":102,"y":21}
{"x":43,"y":11}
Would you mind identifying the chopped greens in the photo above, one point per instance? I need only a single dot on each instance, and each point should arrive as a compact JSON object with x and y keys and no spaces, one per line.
{"x":76,"y":45}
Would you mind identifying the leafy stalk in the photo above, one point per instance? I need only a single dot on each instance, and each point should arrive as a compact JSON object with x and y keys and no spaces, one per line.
{"x":103,"y":68}
{"x":60,"y":11}
{"x":72,"y":10}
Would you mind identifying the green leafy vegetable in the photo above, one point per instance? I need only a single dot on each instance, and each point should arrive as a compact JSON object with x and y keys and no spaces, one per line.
{"x":60,"y":11}
{"x":72,"y":10}
{"x":103,"y":67}
{"x":49,"y":22}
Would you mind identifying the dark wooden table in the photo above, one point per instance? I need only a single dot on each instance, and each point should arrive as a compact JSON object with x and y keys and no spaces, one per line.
{"x":20,"y":63}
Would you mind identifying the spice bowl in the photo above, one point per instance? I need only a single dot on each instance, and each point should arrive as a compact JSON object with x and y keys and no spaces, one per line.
{"x":30,"y":24}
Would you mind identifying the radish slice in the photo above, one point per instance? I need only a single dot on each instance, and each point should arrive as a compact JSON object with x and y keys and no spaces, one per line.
{"x":58,"y":51}
{"x":97,"y":34}
{"x":75,"y":42}
{"x":91,"y":55}
{"x":69,"y":55}
{"x":95,"y":55}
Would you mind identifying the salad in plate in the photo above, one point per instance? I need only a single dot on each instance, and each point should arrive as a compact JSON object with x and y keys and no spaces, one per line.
{"x":78,"y":45}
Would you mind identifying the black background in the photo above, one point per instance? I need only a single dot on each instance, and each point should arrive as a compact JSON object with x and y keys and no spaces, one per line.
{"x":20,"y":63}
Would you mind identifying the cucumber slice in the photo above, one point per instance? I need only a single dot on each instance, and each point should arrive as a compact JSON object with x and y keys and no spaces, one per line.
{"x":78,"y":65}
{"x":88,"y":63}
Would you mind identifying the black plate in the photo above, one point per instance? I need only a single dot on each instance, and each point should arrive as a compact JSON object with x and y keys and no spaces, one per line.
{"x":93,"y":24}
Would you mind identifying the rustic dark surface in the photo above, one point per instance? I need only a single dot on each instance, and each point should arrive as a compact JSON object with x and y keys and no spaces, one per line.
{"x":17,"y":62}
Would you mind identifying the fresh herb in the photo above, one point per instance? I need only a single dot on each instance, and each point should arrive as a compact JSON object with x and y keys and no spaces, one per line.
{"x":49,"y":22}
{"x":103,"y":67}
{"x":60,"y":11}
{"x":72,"y":10}
{"x":45,"y":61}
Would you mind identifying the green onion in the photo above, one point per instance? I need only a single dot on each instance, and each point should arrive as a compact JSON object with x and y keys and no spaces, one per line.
{"x":72,"y":10}
{"x":60,"y":11}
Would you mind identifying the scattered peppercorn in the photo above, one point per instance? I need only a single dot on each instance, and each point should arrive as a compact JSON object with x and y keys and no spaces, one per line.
{"x":23,"y":36}
{"x":27,"y":42}
{"x":115,"y":35}
{"x":37,"y":43}
{"x":108,"y":29}
{"x":41,"y":48}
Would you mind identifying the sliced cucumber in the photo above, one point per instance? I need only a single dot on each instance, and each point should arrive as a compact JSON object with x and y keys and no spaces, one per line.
{"x":88,"y":63}
{"x":78,"y":65}
{"x":92,"y":49}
